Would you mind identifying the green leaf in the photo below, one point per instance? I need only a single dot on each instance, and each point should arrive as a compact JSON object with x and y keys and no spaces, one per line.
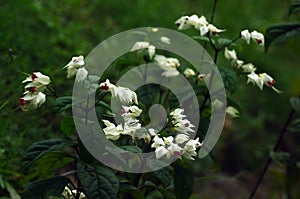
{"x":280,"y":33}
{"x":165,"y":193}
{"x":133,"y":191}
{"x":45,"y":188}
{"x":183,"y":182}
{"x":202,"y":38}
{"x":39,"y":149}
{"x":164,"y":175}
{"x":295,"y":102}
{"x":133,"y":149}
{"x":147,"y":93}
{"x":67,"y":126}
{"x":229,"y":78}
{"x":11,"y":190}
{"x":62,"y":104}
{"x":295,"y":126}
{"x":294,"y":7}
{"x":225,"y":42}
{"x":99,"y":182}
{"x":280,"y":156}
{"x":51,"y":162}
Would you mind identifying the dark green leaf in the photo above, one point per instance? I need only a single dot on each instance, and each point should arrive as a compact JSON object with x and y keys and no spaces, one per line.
{"x":147,"y":93}
{"x":183,"y":182}
{"x":202,"y":38}
{"x":164,"y":175}
{"x":295,"y":126}
{"x":225,"y":42}
{"x":295,"y":102}
{"x":99,"y":182}
{"x":62,"y":104}
{"x":280,"y":33}
{"x":38,"y":149}
{"x":133,"y":149}
{"x":165,"y":193}
{"x":229,"y":78}
{"x":133,"y":191}
{"x":294,"y":7}
{"x":45,"y":188}
{"x":67,"y":126}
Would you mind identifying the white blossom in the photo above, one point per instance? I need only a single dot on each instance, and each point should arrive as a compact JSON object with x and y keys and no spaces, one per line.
{"x":245,"y":34}
{"x":165,"y":40}
{"x":74,"y":65}
{"x":258,"y":37}
{"x":248,"y":68}
{"x":188,"y":72}
{"x":233,"y":112}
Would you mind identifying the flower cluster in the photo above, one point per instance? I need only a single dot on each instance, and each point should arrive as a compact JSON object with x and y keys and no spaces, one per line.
{"x":72,"y":194}
{"x":182,"y":145}
{"x":33,"y":95}
{"x":199,"y":23}
{"x":76,"y":68}
{"x":254,"y":35}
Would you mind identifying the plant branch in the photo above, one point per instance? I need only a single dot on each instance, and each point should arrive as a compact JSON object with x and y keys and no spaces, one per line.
{"x":261,"y":176}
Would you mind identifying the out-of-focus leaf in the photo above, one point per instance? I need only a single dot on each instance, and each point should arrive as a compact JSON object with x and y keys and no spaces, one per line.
{"x":292,"y":175}
{"x":225,"y":42}
{"x":133,"y":191}
{"x":99,"y":182}
{"x":67,"y":126}
{"x":280,"y":156}
{"x":164,"y":192}
{"x":147,"y":93}
{"x":202,"y":38}
{"x":295,"y":126}
{"x":62,"y":104}
{"x":164,"y":175}
{"x":45,"y":188}
{"x":38,"y":149}
{"x":294,"y":7}
{"x":183,"y":182}
{"x":229,"y":78}
{"x":279,"y":33}
{"x":295,"y":102}
{"x":11,"y":190}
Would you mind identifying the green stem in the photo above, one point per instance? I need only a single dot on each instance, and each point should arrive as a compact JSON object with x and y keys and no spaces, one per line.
{"x":261,"y":176}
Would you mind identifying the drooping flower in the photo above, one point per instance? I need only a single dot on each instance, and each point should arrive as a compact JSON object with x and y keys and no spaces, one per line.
{"x":258,"y":37}
{"x":181,"y":138}
{"x":232,"y":112}
{"x":125,"y":95}
{"x":213,"y":29}
{"x":245,"y":34}
{"x":267,"y":79}
{"x":255,"y":79}
{"x":248,"y":68}
{"x":190,"y":147}
{"x":188,"y":72}
{"x":183,"y":23}
{"x":180,"y":124}
{"x":144,"y":45}
{"x":112,"y":131}
{"x":74,"y":65}
{"x":32,"y":101}
{"x":37,"y":82}
{"x":230,"y":54}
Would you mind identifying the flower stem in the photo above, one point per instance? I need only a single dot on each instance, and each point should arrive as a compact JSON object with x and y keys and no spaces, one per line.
{"x":213,"y":11}
{"x":261,"y":176}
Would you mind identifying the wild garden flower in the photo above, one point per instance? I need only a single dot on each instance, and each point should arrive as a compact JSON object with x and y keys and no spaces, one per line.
{"x":213,"y":29}
{"x":125,"y":95}
{"x":74,"y":65}
{"x":233,"y":112}
{"x":37,"y":82}
{"x":258,"y":37}
{"x":231,"y":55}
{"x":245,"y":34}
{"x":168,"y":64}
{"x":112,"y":131}
{"x":32,"y":101}
{"x":184,"y":23}
{"x":144,"y":45}
{"x":165,"y":40}
{"x":188,"y":72}
{"x":181,"y":138}
{"x":70,"y":194}
{"x":130,"y":111}
{"x":248,"y":68}
{"x":190,"y":147}
{"x":180,"y":124}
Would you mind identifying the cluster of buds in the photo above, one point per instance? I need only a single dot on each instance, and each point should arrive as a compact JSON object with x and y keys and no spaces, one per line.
{"x":33,"y":95}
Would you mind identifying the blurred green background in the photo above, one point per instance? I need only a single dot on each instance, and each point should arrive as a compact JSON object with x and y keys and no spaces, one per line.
{"x":43,"y":35}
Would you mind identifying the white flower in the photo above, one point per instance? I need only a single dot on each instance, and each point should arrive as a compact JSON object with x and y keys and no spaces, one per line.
{"x":233,"y":112}
{"x":267,"y":79}
{"x":169,"y":65}
{"x":203,"y":30}
{"x":125,"y":95}
{"x":74,"y":65}
{"x":165,"y":40}
{"x":258,"y":37}
{"x":32,"y":101}
{"x":181,"y":138}
{"x":154,"y":29}
{"x":188,"y":72}
{"x":230,"y":54}
{"x":144,"y":45}
{"x":160,"y":152}
{"x":157,"y":142}
{"x":199,"y":22}
{"x":37,"y":82}
{"x":184,"y":126}
{"x":213,"y":29}
{"x":256,"y":80}
{"x":248,"y":68}
{"x":81,"y":74}
{"x":131,"y":125}
{"x":217,"y":104}
{"x":168,"y":140}
{"x":111,"y":131}
{"x":177,"y":114}
{"x":130,"y":111}
{"x":174,"y":150}
{"x":183,"y":23}
{"x":190,"y":147}
{"x":245,"y":34}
